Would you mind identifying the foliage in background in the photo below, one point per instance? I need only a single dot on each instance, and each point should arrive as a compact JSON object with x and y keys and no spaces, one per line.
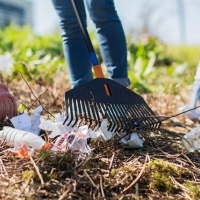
{"x":153,"y":66}
{"x":39,"y":56}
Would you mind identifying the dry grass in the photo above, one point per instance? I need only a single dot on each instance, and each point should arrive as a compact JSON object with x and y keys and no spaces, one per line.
{"x":162,"y":169}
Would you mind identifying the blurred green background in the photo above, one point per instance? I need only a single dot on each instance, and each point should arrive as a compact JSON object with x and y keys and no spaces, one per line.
{"x":153,"y":65}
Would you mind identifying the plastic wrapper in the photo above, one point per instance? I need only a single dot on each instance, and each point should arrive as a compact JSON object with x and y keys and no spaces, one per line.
{"x":133,"y":142}
{"x":76,"y":140}
{"x":56,"y":128}
{"x":28,"y":123}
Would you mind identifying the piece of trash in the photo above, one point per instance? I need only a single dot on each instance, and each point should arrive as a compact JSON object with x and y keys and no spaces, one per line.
{"x":78,"y":140}
{"x":19,"y":137}
{"x":133,"y":142}
{"x":191,"y":140}
{"x":107,"y":135}
{"x":56,"y":129}
{"x":28,"y":123}
{"x":21,"y":122}
{"x":22,"y":151}
{"x":35,"y":120}
{"x":94,"y":134}
{"x":60,"y":118}
{"x":61,"y":143}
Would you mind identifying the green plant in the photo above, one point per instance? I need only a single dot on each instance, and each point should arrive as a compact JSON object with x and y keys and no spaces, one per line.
{"x":38,"y":57}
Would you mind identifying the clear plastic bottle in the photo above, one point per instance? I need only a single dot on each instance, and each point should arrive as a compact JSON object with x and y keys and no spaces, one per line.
{"x":191,"y":140}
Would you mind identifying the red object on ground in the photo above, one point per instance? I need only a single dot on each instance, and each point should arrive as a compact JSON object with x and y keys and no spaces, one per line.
{"x":8,"y":105}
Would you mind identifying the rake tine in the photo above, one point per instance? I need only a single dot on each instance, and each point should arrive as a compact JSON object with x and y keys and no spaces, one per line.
{"x":91,"y":116}
{"x":111,"y":123}
{"x":84,"y":111}
{"x":75,"y":111}
{"x":67,"y":109}
{"x":91,"y":107}
{"x":98,"y":121}
{"x":100,"y":113}
{"x":121,"y":118}
{"x":70,"y":111}
{"x":138,"y":116}
{"x":129,"y":123}
{"x":118,"y":122}
{"x":74,"y":114}
{"x":126,"y":124}
{"x":146,"y":121}
{"x":113,"y":116}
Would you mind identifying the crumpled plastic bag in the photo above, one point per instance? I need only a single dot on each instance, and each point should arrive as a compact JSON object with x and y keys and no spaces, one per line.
{"x":133,"y":142}
{"x":56,"y":128}
{"x":28,"y":123}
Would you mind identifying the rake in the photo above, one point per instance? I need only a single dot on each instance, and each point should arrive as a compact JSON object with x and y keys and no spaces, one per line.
{"x":104,"y":98}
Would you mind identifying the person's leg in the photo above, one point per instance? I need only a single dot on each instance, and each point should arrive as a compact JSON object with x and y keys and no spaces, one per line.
{"x":75,"y":51}
{"x":111,"y":38}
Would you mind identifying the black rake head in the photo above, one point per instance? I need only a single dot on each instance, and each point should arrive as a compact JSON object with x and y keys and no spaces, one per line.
{"x":125,"y":110}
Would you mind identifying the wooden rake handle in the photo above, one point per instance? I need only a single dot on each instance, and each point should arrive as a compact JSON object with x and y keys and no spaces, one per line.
{"x":96,"y":66}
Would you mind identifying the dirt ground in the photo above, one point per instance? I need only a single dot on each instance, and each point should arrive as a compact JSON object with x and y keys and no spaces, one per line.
{"x":162,"y":169}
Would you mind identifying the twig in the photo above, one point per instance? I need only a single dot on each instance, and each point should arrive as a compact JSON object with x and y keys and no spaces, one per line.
{"x":177,"y":183}
{"x":138,"y":177}
{"x":122,"y":181}
{"x":3,"y":167}
{"x":189,"y":160}
{"x":90,"y":178}
{"x":64,"y":194}
{"x":137,"y":190}
{"x":101,"y":186}
{"x":37,"y":170}
{"x":35,"y":95}
{"x":111,"y":161}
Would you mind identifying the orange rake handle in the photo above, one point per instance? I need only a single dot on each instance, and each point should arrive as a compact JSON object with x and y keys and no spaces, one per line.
{"x":98,"y":71}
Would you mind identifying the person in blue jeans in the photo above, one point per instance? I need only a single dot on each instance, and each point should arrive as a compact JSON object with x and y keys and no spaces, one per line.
{"x":110,"y":35}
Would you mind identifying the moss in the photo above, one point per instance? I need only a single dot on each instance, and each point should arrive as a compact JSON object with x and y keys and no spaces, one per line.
{"x":26,"y":175}
{"x":45,"y":154}
{"x":163,"y":183}
{"x":114,"y":172}
{"x":168,"y":168}
{"x":194,"y":190}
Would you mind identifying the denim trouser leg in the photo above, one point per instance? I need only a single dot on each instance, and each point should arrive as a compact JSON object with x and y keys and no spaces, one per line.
{"x":75,"y":51}
{"x":110,"y":35}
{"x":111,"y":38}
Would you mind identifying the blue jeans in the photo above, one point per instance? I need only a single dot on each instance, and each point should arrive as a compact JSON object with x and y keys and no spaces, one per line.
{"x":110,"y":35}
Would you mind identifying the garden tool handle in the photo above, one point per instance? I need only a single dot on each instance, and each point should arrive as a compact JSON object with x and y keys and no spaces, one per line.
{"x":96,"y":66}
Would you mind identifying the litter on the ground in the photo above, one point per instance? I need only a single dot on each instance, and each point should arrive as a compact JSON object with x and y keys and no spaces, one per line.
{"x":132,"y":141}
{"x":28,"y":123}
{"x":26,"y":140}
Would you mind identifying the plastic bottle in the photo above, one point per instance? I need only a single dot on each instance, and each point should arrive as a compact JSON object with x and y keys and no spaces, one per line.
{"x":15,"y":136}
{"x":191,"y":140}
